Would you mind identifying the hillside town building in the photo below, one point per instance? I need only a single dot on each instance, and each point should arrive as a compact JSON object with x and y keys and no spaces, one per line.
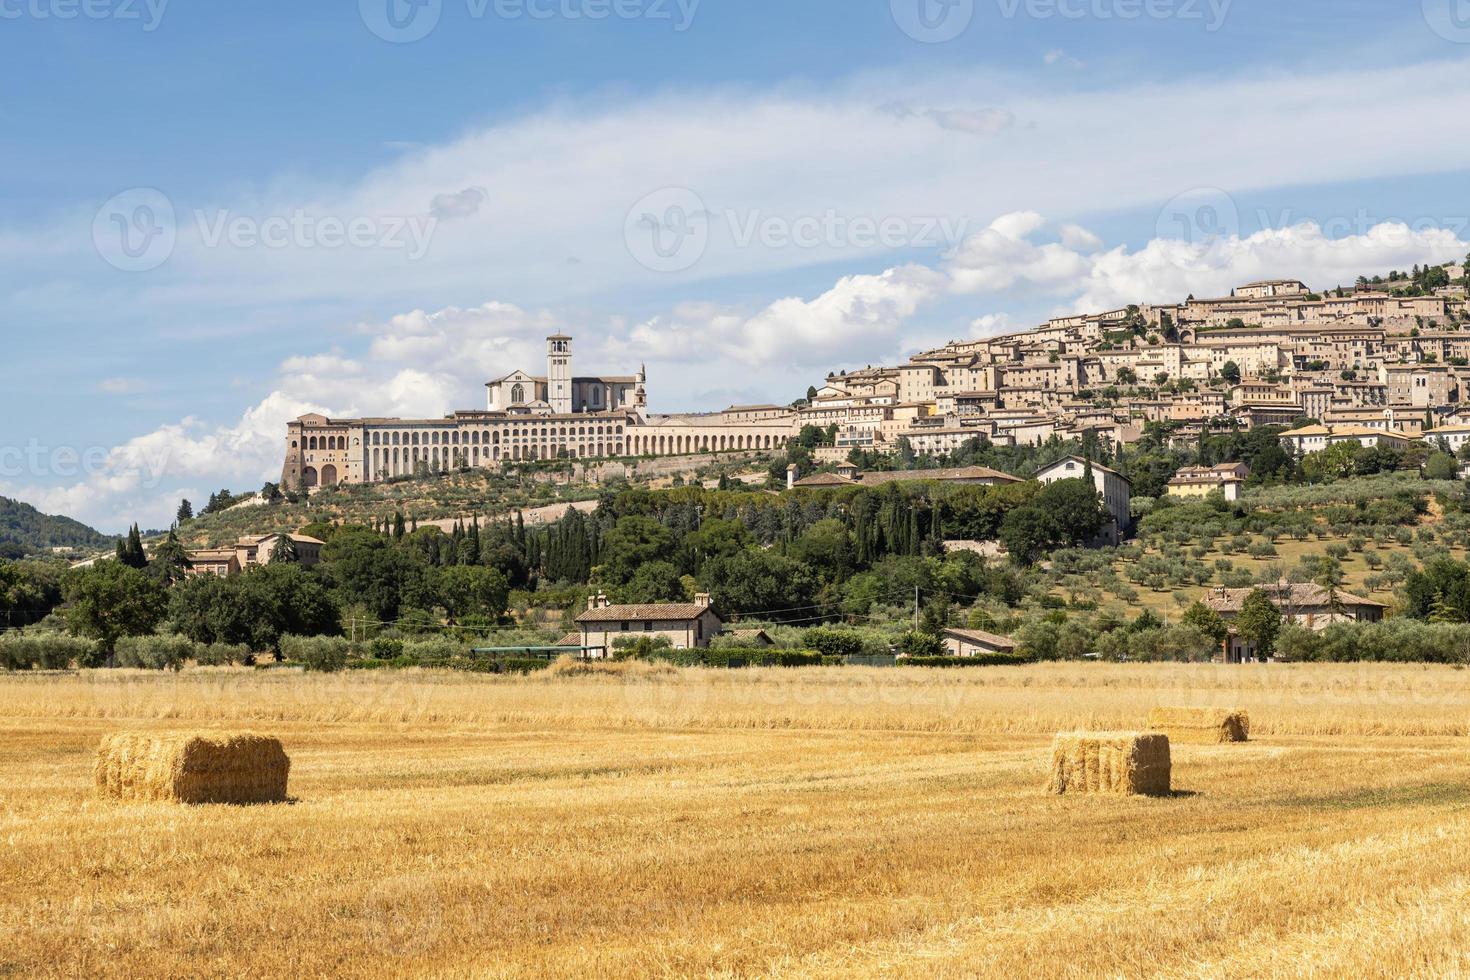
{"x":1271,"y":353}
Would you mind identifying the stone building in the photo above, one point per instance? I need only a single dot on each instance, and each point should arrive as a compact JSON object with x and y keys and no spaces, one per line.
{"x":557,"y":415}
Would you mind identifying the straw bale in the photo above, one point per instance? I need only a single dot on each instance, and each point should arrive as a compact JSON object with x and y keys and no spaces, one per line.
{"x":1206,"y":726}
{"x":1134,"y":763}
{"x":192,"y":767}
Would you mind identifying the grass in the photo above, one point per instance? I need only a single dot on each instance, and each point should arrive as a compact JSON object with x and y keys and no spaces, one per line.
{"x":791,"y":823}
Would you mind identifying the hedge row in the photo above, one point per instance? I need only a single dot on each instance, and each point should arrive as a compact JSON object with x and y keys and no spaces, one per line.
{"x":983,"y":660}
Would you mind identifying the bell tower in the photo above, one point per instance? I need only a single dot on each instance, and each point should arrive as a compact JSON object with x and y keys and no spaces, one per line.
{"x":559,"y":373}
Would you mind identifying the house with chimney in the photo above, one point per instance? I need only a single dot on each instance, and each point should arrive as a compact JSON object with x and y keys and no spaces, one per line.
{"x":686,"y":625}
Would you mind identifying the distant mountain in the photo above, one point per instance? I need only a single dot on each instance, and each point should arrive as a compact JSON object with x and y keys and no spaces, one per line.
{"x":26,"y":531}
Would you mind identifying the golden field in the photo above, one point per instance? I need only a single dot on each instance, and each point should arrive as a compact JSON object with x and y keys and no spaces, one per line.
{"x":821,"y":822}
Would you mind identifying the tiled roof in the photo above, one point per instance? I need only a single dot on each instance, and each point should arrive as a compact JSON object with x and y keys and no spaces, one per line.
{"x":978,"y":636}
{"x":1304,"y":595}
{"x":664,"y":611}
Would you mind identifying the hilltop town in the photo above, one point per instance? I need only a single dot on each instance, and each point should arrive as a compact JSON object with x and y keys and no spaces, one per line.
{"x":1385,"y":358}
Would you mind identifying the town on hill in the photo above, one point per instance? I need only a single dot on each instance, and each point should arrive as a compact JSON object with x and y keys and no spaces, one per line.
{"x":1385,"y":356}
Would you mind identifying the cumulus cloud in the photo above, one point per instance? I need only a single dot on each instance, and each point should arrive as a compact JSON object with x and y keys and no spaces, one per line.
{"x":857,"y":317}
{"x":991,"y":325}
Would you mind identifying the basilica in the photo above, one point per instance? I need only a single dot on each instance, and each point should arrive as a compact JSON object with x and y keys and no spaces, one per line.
{"x":555,"y":415}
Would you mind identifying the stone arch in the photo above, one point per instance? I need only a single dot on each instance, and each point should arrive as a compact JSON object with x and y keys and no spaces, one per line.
{"x":517,"y":394}
{"x":329,"y":475}
{"x":309,"y":477}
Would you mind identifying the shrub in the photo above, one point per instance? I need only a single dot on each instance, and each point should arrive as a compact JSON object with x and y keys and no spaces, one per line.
{"x":386,"y":648}
{"x":432,"y":648}
{"x":221,"y":654}
{"x":917,"y":644}
{"x":157,"y":652}
{"x":48,"y":651}
{"x":834,"y":642}
{"x":326,"y":654}
{"x":524,"y":665}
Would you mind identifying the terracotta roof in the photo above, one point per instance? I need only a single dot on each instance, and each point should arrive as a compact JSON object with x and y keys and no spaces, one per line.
{"x":570,"y":640}
{"x":1302,"y":595}
{"x":979,"y":636}
{"x":664,"y":611}
{"x":952,"y":474}
{"x":825,"y":480}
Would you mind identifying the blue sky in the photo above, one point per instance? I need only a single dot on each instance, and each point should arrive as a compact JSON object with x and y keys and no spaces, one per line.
{"x":1024,"y":156}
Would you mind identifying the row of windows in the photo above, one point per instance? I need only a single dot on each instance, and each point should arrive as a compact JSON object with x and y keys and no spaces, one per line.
{"x":487,"y":437}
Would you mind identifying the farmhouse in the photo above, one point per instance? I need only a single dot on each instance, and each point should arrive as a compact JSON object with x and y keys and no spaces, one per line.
{"x":1304,"y":604}
{"x":686,"y":625}
{"x":1114,"y":487}
{"x":251,"y":550}
{"x":975,"y":643}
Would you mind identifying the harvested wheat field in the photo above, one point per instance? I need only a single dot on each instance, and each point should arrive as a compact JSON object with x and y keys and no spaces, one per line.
{"x":816,"y":822}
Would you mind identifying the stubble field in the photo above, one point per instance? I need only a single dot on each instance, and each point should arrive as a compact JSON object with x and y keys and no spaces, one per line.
{"x":785,"y":823}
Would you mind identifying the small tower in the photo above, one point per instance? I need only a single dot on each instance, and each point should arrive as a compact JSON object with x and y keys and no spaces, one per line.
{"x":640,"y":392}
{"x":559,"y":373}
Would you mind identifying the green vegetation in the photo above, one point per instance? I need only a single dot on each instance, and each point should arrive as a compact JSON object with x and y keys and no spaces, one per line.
{"x":24,"y":530}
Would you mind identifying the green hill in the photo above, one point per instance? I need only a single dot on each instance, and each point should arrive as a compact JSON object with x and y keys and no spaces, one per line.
{"x":24,"y":530}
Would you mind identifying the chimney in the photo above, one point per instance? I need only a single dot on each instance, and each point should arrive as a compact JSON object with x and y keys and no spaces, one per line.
{"x":591,"y":602}
{"x":701,"y":599}
{"x":791,"y":472}
{"x":602,"y":602}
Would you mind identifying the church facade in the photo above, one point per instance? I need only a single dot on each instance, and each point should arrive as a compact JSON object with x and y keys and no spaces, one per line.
{"x":527,"y":417}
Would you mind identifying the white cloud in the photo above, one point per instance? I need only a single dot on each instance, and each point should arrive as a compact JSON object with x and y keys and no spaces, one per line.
{"x":991,"y":325}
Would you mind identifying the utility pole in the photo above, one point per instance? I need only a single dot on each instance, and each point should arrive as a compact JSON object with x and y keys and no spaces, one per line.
{"x":916,"y":609}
